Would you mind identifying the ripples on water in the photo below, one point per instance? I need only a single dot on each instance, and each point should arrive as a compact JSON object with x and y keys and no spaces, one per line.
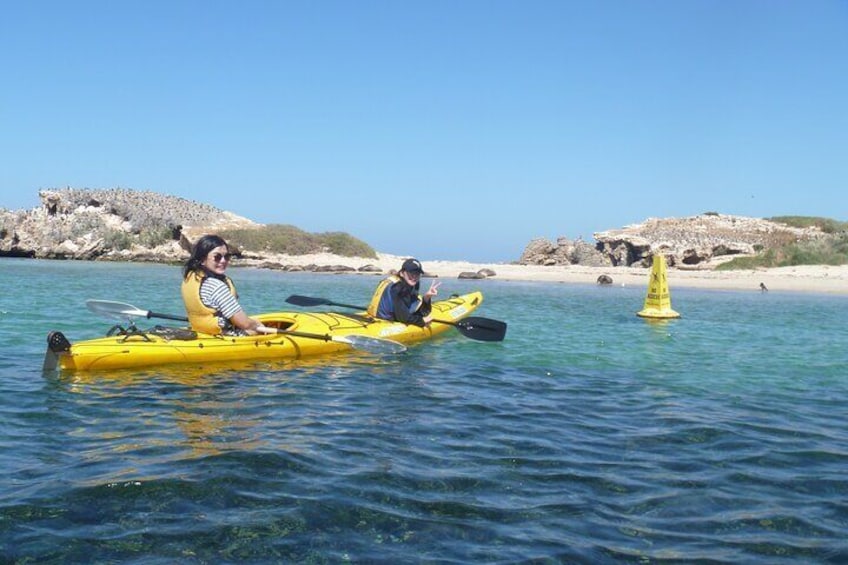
{"x":589,"y":435}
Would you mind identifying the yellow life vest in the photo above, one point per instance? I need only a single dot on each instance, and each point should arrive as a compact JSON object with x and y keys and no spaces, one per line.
{"x":378,"y":294}
{"x":201,"y":317}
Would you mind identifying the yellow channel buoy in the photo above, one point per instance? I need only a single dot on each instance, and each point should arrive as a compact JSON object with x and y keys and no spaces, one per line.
{"x":658,"y":299}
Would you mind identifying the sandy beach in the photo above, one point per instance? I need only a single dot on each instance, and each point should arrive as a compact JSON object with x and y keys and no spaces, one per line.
{"x":807,"y":278}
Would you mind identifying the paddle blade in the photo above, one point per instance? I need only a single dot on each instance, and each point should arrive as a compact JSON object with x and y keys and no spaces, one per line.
{"x":482,"y":329}
{"x":115,"y":310}
{"x":298,"y":300}
{"x":376,"y":345}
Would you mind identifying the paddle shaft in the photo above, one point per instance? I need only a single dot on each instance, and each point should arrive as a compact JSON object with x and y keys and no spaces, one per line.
{"x":298,"y":300}
{"x":482,"y":329}
{"x":150,"y":314}
{"x":130,"y":310}
{"x":307,"y":335}
{"x":309,"y":301}
{"x":325,"y":337}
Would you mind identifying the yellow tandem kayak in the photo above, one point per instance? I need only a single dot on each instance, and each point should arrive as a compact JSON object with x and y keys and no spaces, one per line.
{"x":300,"y":335}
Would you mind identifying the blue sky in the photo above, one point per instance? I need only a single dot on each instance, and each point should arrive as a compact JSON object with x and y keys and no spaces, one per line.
{"x":457,"y":129}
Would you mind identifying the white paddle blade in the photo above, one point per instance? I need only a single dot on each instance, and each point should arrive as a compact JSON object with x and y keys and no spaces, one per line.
{"x":115,"y":310}
{"x":370,"y":344}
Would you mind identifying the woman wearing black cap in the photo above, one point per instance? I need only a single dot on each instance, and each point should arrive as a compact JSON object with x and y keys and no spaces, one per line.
{"x":397,"y":298}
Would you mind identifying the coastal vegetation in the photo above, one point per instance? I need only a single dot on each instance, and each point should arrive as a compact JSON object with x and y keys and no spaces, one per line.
{"x":290,"y":240}
{"x":827,"y":225}
{"x":150,"y":237}
{"x":829,"y":250}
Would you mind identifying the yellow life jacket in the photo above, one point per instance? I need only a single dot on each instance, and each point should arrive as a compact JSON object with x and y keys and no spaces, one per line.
{"x":378,"y":294}
{"x":201,"y":317}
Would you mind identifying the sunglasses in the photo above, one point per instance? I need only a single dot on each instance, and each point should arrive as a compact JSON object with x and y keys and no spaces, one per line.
{"x":217,"y":257}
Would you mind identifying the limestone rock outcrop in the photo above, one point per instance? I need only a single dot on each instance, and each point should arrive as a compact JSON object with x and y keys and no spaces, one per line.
{"x":117,"y":224}
{"x":696,"y":240}
{"x":692,"y":242}
{"x":128,"y":225}
{"x":563,"y":252}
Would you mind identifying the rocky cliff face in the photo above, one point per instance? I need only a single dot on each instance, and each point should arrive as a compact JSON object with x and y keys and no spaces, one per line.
{"x":695,"y":242}
{"x":115,"y":224}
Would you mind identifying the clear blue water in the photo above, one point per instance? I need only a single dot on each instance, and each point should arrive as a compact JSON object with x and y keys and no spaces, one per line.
{"x":589,"y":435}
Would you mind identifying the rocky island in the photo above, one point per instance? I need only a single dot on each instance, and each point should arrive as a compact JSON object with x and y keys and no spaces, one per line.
{"x":128,"y":225}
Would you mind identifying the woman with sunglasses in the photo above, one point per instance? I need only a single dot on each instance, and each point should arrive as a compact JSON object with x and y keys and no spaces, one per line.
{"x":210,"y":296}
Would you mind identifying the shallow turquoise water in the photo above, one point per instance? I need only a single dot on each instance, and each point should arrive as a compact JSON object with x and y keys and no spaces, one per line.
{"x":589,"y":435}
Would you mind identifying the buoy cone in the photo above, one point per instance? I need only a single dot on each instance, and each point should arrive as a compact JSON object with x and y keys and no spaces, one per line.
{"x":658,"y":299}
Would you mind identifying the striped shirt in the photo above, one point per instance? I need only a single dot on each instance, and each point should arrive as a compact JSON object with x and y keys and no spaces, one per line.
{"x":215,"y":294}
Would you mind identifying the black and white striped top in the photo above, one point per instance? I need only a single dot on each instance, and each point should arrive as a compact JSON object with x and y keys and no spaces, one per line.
{"x":215,"y":294}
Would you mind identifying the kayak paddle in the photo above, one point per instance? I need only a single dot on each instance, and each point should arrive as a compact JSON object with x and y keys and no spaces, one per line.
{"x":473,"y":327}
{"x":481,"y":329}
{"x":126,"y":312}
{"x":298,"y":300}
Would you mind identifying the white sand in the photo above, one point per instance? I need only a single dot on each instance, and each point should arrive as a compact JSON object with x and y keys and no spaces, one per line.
{"x":817,"y":278}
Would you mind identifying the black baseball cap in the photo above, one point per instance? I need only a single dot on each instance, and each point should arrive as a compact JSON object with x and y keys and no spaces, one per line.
{"x":412,"y":266}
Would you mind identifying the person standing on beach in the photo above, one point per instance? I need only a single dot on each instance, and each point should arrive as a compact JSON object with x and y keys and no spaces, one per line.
{"x":397,"y":299}
{"x":210,"y":296}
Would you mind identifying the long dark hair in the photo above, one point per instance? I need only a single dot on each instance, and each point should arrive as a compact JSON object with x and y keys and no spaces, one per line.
{"x":200,"y":250}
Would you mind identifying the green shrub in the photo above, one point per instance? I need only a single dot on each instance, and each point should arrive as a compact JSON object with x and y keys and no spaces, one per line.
{"x":117,"y":239}
{"x":831,"y":250}
{"x":341,"y":243}
{"x":289,"y":240}
{"x":826,"y":225}
{"x":155,"y":237}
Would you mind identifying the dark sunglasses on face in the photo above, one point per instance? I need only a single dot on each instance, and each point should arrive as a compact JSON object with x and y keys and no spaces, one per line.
{"x":217,"y":257}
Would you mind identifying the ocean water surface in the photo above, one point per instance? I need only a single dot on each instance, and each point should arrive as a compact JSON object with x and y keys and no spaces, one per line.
{"x":589,"y":435}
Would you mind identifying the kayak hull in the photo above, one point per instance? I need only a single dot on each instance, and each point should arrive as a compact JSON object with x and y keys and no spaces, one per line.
{"x":150,"y":347}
